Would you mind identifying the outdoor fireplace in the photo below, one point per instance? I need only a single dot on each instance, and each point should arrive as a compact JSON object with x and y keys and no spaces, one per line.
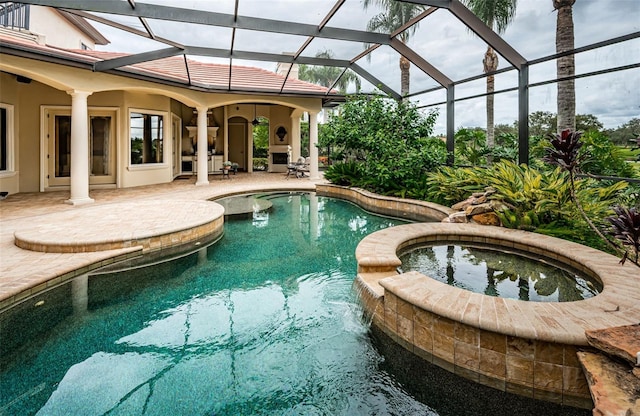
{"x":278,"y":158}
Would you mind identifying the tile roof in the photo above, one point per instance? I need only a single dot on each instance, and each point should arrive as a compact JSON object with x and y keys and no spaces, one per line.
{"x":202,"y":75}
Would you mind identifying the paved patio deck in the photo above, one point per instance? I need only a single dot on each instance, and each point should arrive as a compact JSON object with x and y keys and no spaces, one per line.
{"x":46,"y":217}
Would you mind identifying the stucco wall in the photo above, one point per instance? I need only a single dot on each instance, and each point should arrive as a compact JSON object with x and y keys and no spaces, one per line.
{"x":9,"y":87}
{"x":28,"y":101}
{"x":57,"y":30}
{"x":280,"y":116}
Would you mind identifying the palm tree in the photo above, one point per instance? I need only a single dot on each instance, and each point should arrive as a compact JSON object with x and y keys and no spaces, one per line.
{"x":497,"y":14}
{"x":327,"y":75}
{"x":396,"y":15}
{"x":565,"y":66}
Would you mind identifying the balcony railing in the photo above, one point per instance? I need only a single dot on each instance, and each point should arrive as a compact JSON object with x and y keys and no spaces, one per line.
{"x":14,"y":15}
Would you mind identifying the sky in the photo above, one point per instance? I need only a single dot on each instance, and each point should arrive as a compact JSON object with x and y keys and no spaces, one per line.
{"x":445,"y":43}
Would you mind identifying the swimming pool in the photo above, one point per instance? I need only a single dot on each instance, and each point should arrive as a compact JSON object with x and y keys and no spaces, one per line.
{"x":263,"y":321}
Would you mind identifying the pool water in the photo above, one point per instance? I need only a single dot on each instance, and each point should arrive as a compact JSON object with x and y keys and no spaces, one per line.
{"x":262,"y":322}
{"x":494,"y":272}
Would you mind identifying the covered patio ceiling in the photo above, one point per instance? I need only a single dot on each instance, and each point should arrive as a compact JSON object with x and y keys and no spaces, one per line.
{"x":230,"y":32}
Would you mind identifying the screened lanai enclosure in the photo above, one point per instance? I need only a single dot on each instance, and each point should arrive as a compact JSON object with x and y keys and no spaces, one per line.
{"x":433,"y":57}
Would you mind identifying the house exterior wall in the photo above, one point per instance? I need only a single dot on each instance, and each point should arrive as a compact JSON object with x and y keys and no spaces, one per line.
{"x":9,"y":180}
{"x":48,"y":88}
{"x":57,"y":30}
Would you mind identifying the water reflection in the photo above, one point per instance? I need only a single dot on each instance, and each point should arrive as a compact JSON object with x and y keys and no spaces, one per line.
{"x":263,"y":322}
{"x":495,"y":272}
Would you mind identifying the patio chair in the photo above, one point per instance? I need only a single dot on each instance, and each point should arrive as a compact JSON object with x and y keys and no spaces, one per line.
{"x":302,"y":167}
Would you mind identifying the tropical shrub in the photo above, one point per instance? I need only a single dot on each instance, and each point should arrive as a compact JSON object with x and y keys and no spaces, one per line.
{"x":388,"y":140}
{"x":603,"y":157}
{"x":530,"y":198}
{"x":448,"y":185}
{"x":260,"y":163}
{"x":344,"y":173}
{"x":470,"y":147}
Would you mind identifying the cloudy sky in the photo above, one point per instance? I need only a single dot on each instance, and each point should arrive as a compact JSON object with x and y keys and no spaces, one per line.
{"x":445,"y":43}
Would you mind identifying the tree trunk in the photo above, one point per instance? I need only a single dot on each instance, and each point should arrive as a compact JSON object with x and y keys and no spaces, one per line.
{"x":404,"y":76}
{"x":565,"y":65}
{"x":490,"y":64}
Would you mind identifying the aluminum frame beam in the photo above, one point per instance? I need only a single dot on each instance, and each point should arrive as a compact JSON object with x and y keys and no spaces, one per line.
{"x":175,"y":14}
{"x":137,"y":58}
{"x":523,"y":115}
{"x":420,"y":62}
{"x":375,"y":81}
{"x":487,"y":34}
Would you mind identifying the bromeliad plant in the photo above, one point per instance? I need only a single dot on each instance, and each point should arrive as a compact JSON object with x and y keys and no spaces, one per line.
{"x":625,"y":227}
{"x":565,"y":153}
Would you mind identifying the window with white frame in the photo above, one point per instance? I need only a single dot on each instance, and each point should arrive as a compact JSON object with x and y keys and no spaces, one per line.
{"x":6,"y":138}
{"x":146,"y":135}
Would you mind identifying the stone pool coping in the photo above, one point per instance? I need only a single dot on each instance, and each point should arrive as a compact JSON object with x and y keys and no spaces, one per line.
{"x":411,"y":209}
{"x":565,"y":323}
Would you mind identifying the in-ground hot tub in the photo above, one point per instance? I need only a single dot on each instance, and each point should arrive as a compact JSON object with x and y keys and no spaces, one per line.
{"x":501,"y":272}
{"x":528,"y":348}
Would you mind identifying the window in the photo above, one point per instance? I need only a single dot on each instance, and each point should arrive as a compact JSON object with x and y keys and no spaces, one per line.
{"x":147,"y":138}
{"x":84,"y":46}
{"x":6,"y":138}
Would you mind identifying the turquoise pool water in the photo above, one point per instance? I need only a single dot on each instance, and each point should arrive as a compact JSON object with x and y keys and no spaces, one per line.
{"x":262,"y":322}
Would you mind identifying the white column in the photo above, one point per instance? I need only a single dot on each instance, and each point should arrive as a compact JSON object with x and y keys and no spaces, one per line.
{"x":203,"y":171}
{"x":79,"y":148}
{"x":313,"y":141}
{"x":294,"y":136}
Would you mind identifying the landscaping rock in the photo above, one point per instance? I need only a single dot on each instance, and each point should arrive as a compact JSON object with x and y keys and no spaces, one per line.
{"x":614,"y":389}
{"x":487,"y":218}
{"x":458,"y":217}
{"x":462,"y":205}
{"x":478,"y":209}
{"x":478,"y":200}
{"x":621,"y":341}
